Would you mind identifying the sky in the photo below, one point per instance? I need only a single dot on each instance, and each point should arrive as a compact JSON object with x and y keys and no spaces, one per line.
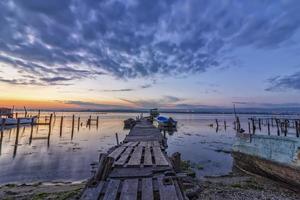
{"x":177,"y":54}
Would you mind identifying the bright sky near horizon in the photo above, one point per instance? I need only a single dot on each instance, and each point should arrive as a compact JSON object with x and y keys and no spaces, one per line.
{"x":143,"y":54}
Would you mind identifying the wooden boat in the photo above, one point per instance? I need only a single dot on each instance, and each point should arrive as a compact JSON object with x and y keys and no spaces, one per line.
{"x":14,"y":121}
{"x":275,"y":157}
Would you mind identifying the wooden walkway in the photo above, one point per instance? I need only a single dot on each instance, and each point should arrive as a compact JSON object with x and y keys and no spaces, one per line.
{"x":138,"y":169}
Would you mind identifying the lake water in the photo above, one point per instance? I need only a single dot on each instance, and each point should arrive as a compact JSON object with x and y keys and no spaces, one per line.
{"x":36,"y":156}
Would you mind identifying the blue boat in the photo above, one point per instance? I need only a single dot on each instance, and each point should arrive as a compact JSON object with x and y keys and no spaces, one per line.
{"x":166,"y":121}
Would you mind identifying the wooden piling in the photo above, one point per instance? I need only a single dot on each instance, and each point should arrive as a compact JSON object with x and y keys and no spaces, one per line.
{"x":269,"y":132}
{"x":31,"y":130}
{"x":50,"y":123}
{"x":97,"y":121}
{"x":117,"y":138}
{"x":277,"y":125}
{"x":297,"y":128}
{"x":17,"y":138}
{"x":259,"y":124}
{"x":249,"y":127}
{"x":217,"y":122}
{"x":78,"y":123}
{"x":61,"y":125}
{"x":73,"y":123}
{"x":225,"y":126}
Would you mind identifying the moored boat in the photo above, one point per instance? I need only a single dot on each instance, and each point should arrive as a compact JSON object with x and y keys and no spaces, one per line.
{"x":14,"y":121}
{"x":275,"y":157}
{"x":166,"y":122}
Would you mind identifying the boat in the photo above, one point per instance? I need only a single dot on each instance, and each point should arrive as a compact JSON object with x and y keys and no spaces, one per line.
{"x":14,"y":121}
{"x":154,"y":112}
{"x":275,"y":157}
{"x":166,"y":121}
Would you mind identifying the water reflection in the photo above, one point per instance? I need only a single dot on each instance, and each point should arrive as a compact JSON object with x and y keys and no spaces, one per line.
{"x":64,"y":152}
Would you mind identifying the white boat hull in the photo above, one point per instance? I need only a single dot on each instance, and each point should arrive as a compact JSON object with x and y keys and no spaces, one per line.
{"x":14,"y":121}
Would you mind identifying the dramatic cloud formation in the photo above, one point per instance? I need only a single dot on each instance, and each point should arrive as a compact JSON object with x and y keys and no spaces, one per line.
{"x":57,"y":41}
{"x":285,"y":82}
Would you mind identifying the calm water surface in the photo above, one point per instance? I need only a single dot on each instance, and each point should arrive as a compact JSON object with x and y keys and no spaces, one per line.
{"x":68,"y":157}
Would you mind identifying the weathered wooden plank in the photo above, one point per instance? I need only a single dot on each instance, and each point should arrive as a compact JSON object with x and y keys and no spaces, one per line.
{"x":143,"y":144}
{"x":156,"y":144}
{"x":92,"y":193}
{"x":136,"y":156}
{"x":112,"y":189}
{"x":124,"y":156}
{"x":147,"y":157}
{"x":166,"y":191}
{"x":159,"y":157}
{"x":115,"y":154}
{"x":150,"y":144}
{"x":129,"y":189}
{"x":128,"y":144}
{"x":147,"y":189}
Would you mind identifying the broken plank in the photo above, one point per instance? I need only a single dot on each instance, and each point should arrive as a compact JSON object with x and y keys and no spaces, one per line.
{"x":115,"y":154}
{"x":147,"y":189}
{"x":129,"y":189}
{"x":136,"y":156}
{"x":122,"y":160}
{"x":112,"y":189}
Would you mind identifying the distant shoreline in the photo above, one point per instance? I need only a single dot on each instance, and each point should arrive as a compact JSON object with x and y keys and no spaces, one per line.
{"x":215,"y":111}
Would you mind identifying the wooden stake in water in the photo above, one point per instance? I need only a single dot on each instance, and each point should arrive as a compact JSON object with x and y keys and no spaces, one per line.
{"x":269,"y":132}
{"x":249,"y":127}
{"x":117,"y":138}
{"x":73,"y":123}
{"x":17,"y":138}
{"x":61,"y":125}
{"x":78,"y":123}
{"x":97,"y":121}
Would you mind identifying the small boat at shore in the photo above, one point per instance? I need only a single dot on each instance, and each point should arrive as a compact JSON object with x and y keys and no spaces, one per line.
{"x":166,"y":122}
{"x":275,"y":157}
{"x":14,"y":121}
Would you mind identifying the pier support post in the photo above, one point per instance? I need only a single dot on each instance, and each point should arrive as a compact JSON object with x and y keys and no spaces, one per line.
{"x":269,"y":132}
{"x":117,"y":138}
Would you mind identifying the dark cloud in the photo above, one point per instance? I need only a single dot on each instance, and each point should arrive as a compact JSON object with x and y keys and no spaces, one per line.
{"x":120,"y":90}
{"x":281,"y":83}
{"x":80,"y":39}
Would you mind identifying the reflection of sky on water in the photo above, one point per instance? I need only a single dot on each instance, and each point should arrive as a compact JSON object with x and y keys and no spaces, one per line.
{"x":63,"y":158}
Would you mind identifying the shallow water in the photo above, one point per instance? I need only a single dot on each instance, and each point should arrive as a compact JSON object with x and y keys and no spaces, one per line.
{"x":68,"y":157}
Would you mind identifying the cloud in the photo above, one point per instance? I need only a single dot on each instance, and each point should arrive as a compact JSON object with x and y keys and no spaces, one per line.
{"x":267,"y":105}
{"x":92,"y":105}
{"x":165,"y":101}
{"x":128,"y":39}
{"x":120,"y":90}
{"x":280,"y":83}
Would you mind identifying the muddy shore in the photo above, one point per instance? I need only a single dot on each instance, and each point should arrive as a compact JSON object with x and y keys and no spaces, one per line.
{"x":236,"y":186}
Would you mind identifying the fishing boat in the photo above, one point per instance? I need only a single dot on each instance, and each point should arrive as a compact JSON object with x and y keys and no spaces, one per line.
{"x":14,"y":121}
{"x":166,"y":122}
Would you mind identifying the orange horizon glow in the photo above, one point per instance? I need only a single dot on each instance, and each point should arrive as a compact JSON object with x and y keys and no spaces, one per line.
{"x":49,"y":104}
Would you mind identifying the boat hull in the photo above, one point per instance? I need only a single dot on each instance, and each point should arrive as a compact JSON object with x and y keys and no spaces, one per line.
{"x":14,"y":121}
{"x":277,"y":171}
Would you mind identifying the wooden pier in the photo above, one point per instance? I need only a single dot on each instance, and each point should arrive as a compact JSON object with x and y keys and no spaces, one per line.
{"x":136,"y":169}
